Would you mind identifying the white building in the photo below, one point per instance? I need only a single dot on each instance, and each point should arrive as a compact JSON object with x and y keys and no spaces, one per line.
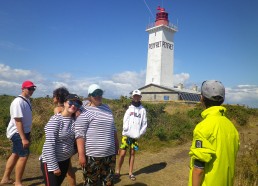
{"x":160,"y":60}
{"x":159,"y":73}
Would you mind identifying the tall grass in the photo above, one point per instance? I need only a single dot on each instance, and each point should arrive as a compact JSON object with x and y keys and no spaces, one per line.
{"x":247,"y":162}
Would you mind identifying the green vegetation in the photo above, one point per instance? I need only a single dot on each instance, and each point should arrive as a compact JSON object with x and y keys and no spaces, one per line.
{"x":168,"y":124}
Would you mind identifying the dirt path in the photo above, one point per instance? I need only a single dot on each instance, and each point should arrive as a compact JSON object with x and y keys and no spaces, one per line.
{"x":169,"y":167}
{"x":166,"y":168}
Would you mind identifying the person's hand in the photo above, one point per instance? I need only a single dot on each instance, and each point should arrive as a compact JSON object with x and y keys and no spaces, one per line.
{"x":82,"y":161}
{"x":25,"y":143}
{"x":57,"y":172}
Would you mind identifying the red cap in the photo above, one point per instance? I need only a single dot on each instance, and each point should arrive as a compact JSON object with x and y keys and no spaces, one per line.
{"x":27,"y":84}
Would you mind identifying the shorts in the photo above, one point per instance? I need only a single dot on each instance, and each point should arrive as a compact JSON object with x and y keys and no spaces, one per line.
{"x":18,"y":146}
{"x":129,"y":142}
{"x":99,"y":169}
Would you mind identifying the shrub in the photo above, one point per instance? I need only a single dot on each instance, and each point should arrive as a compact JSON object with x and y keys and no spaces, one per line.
{"x":240,"y":114}
{"x":5,"y":112}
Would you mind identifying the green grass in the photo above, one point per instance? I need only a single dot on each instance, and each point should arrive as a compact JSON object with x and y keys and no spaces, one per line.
{"x":169,"y":124}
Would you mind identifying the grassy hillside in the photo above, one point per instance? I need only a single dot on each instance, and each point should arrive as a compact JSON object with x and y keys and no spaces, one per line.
{"x":169,"y":124}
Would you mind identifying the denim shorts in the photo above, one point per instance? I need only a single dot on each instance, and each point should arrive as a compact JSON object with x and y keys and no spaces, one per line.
{"x":18,"y":146}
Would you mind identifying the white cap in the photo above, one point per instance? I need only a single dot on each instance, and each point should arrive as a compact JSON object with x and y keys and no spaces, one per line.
{"x":137,"y":92}
{"x":92,"y":88}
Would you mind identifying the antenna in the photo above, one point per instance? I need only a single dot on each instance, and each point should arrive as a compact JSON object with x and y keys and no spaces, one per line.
{"x":149,"y":9}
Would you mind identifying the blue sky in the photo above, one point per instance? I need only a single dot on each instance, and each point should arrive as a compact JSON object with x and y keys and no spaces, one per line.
{"x":76,"y":43}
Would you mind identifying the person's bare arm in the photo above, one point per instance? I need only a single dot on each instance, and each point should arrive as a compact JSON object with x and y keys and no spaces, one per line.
{"x":19,"y":125}
{"x":197,"y":176}
{"x":81,"y":151}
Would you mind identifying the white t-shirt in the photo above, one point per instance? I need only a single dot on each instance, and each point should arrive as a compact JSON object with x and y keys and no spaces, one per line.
{"x":19,"y":109}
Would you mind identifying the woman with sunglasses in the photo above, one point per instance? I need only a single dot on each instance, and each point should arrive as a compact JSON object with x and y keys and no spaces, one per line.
{"x":59,"y":96}
{"x":96,"y":139}
{"x":59,"y":144}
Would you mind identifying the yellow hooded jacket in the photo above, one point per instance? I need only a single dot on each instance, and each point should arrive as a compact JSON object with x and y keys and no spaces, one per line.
{"x":215,"y":142}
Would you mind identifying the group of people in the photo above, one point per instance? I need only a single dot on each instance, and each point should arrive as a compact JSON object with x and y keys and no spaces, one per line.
{"x":88,"y":128}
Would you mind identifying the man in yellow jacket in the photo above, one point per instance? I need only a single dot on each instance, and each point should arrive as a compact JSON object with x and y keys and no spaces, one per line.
{"x":215,"y":141}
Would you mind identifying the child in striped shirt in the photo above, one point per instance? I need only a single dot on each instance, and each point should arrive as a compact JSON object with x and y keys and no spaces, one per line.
{"x":59,"y":144}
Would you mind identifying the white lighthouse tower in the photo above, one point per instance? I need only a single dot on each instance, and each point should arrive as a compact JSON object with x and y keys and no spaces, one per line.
{"x":160,"y":60}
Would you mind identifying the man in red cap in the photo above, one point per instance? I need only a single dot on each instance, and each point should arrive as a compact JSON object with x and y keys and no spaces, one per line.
{"x":18,"y":131}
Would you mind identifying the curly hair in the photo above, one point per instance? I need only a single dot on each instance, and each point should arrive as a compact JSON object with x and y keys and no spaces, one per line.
{"x":60,"y":94}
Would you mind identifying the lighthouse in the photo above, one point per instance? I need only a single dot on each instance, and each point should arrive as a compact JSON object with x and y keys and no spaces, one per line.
{"x":159,"y":73}
{"x":160,"y":59}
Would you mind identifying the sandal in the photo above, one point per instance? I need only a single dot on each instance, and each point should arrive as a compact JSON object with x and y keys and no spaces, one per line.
{"x":132,"y":177}
{"x":117,"y":175}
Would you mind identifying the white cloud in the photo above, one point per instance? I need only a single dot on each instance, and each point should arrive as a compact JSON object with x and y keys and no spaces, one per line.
{"x":243,"y":95}
{"x":11,"y":79}
{"x":181,"y":78}
{"x":123,"y":83}
{"x":16,"y":75}
{"x":64,"y":76}
{"x":114,"y":86}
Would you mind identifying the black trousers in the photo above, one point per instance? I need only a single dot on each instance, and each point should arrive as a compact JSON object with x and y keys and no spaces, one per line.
{"x":52,"y":180}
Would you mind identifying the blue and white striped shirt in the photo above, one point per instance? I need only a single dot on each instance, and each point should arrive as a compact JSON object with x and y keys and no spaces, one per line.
{"x":96,"y":126}
{"x":59,"y":143}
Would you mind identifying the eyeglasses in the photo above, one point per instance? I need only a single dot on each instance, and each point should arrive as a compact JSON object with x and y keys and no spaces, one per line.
{"x":31,"y":88}
{"x":76,"y":104}
{"x":96,"y":93}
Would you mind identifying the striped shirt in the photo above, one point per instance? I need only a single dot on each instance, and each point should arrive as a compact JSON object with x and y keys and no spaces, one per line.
{"x":96,"y":126}
{"x":59,"y":143}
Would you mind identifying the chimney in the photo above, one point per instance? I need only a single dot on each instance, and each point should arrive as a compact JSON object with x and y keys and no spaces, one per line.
{"x":180,"y":86}
{"x":195,"y":87}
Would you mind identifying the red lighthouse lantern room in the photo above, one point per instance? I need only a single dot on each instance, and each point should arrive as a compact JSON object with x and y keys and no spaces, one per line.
{"x":161,"y":17}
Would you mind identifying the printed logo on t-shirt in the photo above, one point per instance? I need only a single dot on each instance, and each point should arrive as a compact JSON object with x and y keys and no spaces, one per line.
{"x":135,"y":114}
{"x":198,"y":144}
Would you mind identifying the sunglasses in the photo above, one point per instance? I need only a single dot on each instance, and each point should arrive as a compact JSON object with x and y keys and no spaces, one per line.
{"x":74,"y":103}
{"x":31,"y":88}
{"x":96,"y":93}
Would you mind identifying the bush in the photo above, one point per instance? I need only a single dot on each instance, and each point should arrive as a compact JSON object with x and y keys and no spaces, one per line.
{"x":240,"y":114}
{"x":5,"y":112}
